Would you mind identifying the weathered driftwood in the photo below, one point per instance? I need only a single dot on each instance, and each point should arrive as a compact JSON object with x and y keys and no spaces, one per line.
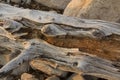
{"x":93,"y":36}
{"x":9,"y":49}
{"x":96,"y":37}
{"x":64,"y":59}
{"x":46,"y":68}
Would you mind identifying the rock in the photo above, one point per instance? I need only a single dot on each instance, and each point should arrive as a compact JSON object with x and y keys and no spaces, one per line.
{"x":20,"y":1}
{"x":108,"y":10}
{"x":16,"y":1}
{"x":80,"y":77}
{"x":53,"y":78}
{"x":56,"y":4}
{"x":76,"y":77}
{"x":26,"y":76}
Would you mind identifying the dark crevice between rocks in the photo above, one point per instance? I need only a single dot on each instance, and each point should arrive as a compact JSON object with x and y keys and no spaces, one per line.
{"x":38,"y":74}
{"x":88,"y":77}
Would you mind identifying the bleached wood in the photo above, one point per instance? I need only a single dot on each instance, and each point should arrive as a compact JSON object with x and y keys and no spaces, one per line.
{"x":81,"y":62}
{"x":42,"y":17}
{"x":87,"y":35}
{"x":95,"y":36}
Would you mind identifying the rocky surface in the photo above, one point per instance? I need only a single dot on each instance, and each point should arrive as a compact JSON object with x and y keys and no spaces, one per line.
{"x":108,"y":10}
{"x":57,"y":4}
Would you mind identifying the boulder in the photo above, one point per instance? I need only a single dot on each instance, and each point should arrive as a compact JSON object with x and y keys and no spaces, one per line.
{"x":56,"y":4}
{"x":81,"y":77}
{"x":76,"y":77}
{"x":53,"y":78}
{"x":16,"y":1}
{"x":26,"y":76}
{"x":108,"y":10}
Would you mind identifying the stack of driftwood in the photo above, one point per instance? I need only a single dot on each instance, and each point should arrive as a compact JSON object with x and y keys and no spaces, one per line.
{"x":42,"y":45}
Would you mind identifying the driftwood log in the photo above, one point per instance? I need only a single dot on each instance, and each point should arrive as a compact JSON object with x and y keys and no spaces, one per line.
{"x":89,"y":47}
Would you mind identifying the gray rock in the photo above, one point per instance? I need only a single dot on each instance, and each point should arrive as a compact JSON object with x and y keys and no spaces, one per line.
{"x":16,"y":1}
{"x":57,"y":4}
{"x":108,"y":10}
